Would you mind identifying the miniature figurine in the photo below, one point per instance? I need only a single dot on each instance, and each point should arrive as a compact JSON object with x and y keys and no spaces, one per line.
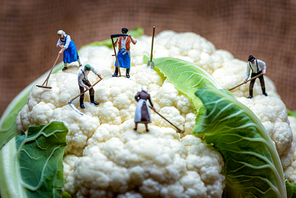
{"x":142,"y":114}
{"x":68,"y":49}
{"x":257,"y":66}
{"x":123,"y":55}
{"x":84,"y":83}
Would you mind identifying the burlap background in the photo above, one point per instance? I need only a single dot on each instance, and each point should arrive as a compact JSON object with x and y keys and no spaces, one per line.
{"x":28,"y":29}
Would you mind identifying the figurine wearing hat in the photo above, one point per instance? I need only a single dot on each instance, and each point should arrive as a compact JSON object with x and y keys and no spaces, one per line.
{"x":123,"y":56}
{"x":142,"y":114}
{"x":68,"y":49}
{"x":257,"y":67}
{"x":84,"y":83}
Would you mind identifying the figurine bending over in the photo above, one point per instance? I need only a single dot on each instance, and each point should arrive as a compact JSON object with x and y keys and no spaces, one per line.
{"x":68,"y":49}
{"x":84,"y":83}
{"x":142,"y":114}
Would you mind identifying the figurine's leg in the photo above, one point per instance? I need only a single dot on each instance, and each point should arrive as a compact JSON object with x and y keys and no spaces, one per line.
{"x":250,"y":93}
{"x":81,"y":102}
{"x":146,"y":126}
{"x":136,"y":126}
{"x":116,"y":72}
{"x":81,"y":97}
{"x":251,"y":88}
{"x":127,"y":72}
{"x":92,"y":100}
{"x":78,"y":59}
{"x":65,"y":66}
{"x":262,"y":85}
{"x":92,"y":94}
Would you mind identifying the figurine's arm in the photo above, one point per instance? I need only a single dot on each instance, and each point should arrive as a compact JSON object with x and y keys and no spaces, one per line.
{"x":62,"y":50}
{"x":248,"y":73}
{"x":95,"y":71}
{"x":115,"y":44}
{"x":151,"y":103}
{"x":80,"y":77}
{"x":68,"y":40}
{"x":137,"y":96}
{"x":262,"y":65}
{"x":134,"y":41}
{"x":60,"y":44}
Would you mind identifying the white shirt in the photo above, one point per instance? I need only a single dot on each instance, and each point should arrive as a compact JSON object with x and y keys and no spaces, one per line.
{"x":68,"y":40}
{"x":253,"y":67}
{"x":83,"y":75}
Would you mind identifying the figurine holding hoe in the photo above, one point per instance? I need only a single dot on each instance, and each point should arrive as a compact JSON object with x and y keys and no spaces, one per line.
{"x":258,"y":69}
{"x":123,"y":58}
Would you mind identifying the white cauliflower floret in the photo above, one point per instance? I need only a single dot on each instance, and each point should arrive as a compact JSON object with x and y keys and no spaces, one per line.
{"x":68,"y":162}
{"x":172,"y":114}
{"x":184,"y":104}
{"x":167,"y":95}
{"x":97,"y":56}
{"x":189,"y":122}
{"x":152,"y":164}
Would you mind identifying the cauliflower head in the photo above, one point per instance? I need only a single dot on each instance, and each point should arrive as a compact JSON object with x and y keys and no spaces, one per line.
{"x":106,"y":158}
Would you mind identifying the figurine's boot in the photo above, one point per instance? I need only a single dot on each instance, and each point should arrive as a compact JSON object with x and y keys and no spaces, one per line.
{"x":81,"y":103}
{"x":127,"y":72}
{"x":116,"y":72}
{"x":263,"y":91}
{"x":251,"y":94}
{"x":65,"y":67}
{"x":92,"y":100}
{"x":78,"y":59}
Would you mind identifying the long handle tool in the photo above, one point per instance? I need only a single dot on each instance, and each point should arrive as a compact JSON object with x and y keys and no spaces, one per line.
{"x":150,"y":63}
{"x":70,"y":101}
{"x":46,"y":80}
{"x":177,"y":129}
{"x":245,"y":82}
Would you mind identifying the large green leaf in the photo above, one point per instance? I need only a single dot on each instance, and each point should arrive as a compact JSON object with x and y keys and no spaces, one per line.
{"x":252,"y":164}
{"x":187,"y":78}
{"x":32,"y":165}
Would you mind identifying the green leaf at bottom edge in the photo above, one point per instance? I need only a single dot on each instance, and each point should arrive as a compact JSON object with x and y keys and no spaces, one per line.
{"x":32,"y":166}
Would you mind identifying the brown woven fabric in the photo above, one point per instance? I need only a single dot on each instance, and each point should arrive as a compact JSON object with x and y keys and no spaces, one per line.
{"x":265,"y":29}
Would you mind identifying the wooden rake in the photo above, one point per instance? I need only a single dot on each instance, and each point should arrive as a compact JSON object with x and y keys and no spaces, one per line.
{"x":44,"y":84}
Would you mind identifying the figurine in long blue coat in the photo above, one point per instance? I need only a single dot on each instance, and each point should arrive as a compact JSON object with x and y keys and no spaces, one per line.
{"x":68,"y":49}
